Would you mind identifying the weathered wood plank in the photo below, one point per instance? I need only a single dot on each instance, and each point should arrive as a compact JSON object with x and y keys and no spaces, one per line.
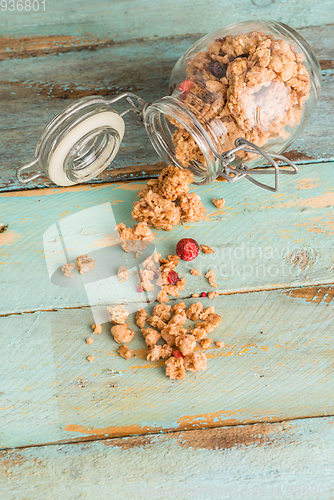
{"x":34,"y":90}
{"x":289,"y":460}
{"x":123,"y":20}
{"x":261,"y":240}
{"x":277,"y":364}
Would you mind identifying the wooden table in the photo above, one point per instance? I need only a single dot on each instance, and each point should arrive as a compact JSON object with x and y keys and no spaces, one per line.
{"x":258,"y":422}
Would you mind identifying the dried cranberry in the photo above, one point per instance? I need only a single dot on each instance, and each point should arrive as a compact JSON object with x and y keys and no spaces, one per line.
{"x":216,"y":69}
{"x":187,"y":249}
{"x":221,"y":40}
{"x":185,"y":85}
{"x":178,"y":354}
{"x":173,"y":278}
{"x":139,"y":289}
{"x":203,"y":294}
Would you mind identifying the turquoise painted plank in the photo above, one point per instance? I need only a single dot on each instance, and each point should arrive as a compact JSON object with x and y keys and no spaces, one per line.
{"x":121,"y":20}
{"x":277,"y":364}
{"x":261,"y":240}
{"x":35,"y":89}
{"x":290,"y":460}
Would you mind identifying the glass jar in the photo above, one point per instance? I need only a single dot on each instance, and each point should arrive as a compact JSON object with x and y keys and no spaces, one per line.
{"x":238,"y":98}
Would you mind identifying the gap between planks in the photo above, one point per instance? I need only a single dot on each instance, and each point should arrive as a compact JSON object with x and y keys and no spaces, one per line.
{"x":35,"y":46}
{"x":111,"y":177}
{"x":230,"y":431}
{"x":326,"y":288}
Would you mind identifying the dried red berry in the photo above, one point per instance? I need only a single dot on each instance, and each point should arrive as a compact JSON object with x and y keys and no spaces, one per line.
{"x":139,"y":289}
{"x":185,"y":85}
{"x":216,"y":69}
{"x":187,"y":249}
{"x":203,"y":294}
{"x":178,"y":354}
{"x":173,"y":278}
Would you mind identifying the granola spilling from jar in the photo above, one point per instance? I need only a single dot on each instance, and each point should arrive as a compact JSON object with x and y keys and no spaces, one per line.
{"x":252,"y":85}
{"x":166,"y":201}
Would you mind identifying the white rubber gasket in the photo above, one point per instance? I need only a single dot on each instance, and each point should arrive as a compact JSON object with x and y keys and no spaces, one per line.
{"x":56,"y":164}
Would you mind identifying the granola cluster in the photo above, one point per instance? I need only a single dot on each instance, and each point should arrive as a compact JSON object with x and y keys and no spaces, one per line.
{"x":250,"y":85}
{"x":180,"y":342}
{"x":136,"y":239}
{"x":167,"y":267}
{"x":84,"y":263}
{"x":166,"y":201}
{"x":167,"y":325}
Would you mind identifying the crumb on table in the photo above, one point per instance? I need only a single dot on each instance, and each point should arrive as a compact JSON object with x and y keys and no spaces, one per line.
{"x":122,"y":333}
{"x":125,"y":352}
{"x":206,"y":343}
{"x":67,"y":268}
{"x":195,"y":272}
{"x":123,"y":273}
{"x":97,"y":328}
{"x":89,"y":341}
{"x":151,"y":336}
{"x":136,"y":239}
{"x":195,"y":362}
{"x":206,"y":249}
{"x":85,"y":263}
{"x":118,"y":314}
{"x":219,"y":203}
{"x":141,"y":318}
{"x":175,"y":368}
{"x":90,"y":358}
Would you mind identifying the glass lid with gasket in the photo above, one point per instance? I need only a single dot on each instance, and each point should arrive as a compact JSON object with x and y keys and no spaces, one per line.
{"x":238,"y":98}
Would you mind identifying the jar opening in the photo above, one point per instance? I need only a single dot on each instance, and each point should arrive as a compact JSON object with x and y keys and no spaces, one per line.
{"x":91,"y":154}
{"x":167,"y":117}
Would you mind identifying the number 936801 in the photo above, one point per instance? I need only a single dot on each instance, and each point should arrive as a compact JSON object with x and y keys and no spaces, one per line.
{"x":22,"y":5}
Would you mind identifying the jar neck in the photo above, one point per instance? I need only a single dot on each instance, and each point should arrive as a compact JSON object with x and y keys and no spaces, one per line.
{"x":163,"y":118}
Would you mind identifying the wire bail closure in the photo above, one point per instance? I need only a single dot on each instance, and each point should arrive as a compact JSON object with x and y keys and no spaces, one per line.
{"x":232,"y":174}
{"x":138,"y":107}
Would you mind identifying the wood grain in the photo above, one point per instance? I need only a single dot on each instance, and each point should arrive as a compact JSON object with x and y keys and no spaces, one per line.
{"x":277,"y":364}
{"x":122,"y":20}
{"x":33,"y":90}
{"x":289,"y":460}
{"x":261,"y":240}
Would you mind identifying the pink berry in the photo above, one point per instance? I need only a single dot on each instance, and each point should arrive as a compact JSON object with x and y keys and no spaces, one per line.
{"x":139,"y":289}
{"x":203,"y":294}
{"x":178,"y":354}
{"x":185,"y":85}
{"x":173,"y":278}
{"x":187,"y":249}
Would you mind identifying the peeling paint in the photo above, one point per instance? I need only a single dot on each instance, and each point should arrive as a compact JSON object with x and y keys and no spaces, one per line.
{"x":222,"y":438}
{"x":314,"y":294}
{"x":110,"y":431}
{"x":8,"y":238}
{"x":308,"y":183}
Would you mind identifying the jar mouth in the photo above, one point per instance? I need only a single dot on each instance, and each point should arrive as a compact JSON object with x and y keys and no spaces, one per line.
{"x":158,"y":120}
{"x":91,"y":154}
{"x":80,"y":142}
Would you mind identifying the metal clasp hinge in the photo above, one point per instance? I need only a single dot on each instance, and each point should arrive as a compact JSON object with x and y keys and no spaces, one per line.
{"x":233,"y":174}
